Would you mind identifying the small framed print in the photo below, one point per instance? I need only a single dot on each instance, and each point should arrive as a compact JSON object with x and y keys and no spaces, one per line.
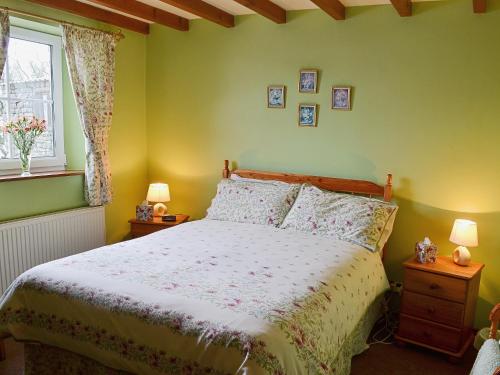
{"x":276,"y":96}
{"x":341,"y":98}
{"x":308,"y":81}
{"x":308,"y":115}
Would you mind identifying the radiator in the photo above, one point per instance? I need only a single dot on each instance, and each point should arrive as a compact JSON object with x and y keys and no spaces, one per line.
{"x":29,"y":242}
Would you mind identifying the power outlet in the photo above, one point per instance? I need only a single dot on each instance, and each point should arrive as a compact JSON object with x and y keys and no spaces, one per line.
{"x":396,"y":287}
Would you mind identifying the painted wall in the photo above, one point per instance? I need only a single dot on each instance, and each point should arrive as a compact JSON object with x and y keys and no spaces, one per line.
{"x":127,"y":140}
{"x":425,"y":107}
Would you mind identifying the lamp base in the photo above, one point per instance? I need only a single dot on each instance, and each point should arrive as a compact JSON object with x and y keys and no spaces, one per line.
{"x":461,"y":256}
{"x":159,"y":209}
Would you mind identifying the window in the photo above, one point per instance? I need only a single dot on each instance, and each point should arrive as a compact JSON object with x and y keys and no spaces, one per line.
{"x":31,"y":84}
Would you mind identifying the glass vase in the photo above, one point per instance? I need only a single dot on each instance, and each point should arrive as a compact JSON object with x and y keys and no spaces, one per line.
{"x":25,"y":158}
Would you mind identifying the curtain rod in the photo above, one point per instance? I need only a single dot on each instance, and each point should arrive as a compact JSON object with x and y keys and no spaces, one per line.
{"x":119,"y":34}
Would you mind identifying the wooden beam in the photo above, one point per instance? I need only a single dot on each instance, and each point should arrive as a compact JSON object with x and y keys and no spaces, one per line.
{"x":204,"y":10}
{"x":265,"y":8}
{"x":146,"y":12}
{"x":479,"y":6}
{"x":403,"y":7}
{"x":97,"y":14}
{"x":333,"y":7}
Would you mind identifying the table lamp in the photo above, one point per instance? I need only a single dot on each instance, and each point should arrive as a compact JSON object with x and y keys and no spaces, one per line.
{"x":464,"y":233}
{"x":159,"y":193}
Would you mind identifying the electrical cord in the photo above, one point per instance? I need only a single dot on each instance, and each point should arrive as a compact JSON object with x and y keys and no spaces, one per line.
{"x":387,"y":325}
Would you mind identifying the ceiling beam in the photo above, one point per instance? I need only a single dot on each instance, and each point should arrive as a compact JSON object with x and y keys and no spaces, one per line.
{"x":146,"y":12}
{"x":479,"y":6}
{"x":403,"y":7}
{"x":265,"y":8}
{"x":204,"y":10}
{"x":97,"y":14}
{"x":333,"y":7}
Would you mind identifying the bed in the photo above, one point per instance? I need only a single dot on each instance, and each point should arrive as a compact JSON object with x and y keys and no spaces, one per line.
{"x":205,"y":297}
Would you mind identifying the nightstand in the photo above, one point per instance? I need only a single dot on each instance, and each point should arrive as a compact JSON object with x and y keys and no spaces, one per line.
{"x":140,"y":228}
{"x":438,"y":305}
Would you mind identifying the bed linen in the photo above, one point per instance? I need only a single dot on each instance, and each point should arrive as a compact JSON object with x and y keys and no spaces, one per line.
{"x":206,"y":297}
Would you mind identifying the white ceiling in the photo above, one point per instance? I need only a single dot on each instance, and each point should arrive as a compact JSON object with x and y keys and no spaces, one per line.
{"x":232,"y":7}
{"x":236,"y":9}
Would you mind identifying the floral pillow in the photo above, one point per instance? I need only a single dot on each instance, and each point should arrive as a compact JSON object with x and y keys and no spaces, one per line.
{"x":252,"y":202}
{"x":351,"y":218}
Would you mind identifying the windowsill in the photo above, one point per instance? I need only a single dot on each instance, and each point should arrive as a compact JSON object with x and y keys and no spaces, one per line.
{"x":17,"y":177}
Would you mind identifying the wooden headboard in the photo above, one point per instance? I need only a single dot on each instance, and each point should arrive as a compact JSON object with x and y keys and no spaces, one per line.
{"x":361,"y":187}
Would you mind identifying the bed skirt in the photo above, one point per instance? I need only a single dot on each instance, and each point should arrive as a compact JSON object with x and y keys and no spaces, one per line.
{"x":47,"y":360}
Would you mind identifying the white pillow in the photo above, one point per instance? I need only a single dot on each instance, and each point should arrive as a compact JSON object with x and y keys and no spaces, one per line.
{"x":360,"y":220}
{"x":488,"y":358}
{"x":252,"y":202}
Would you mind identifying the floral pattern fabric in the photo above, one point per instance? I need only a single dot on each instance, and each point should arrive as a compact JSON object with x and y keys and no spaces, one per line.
{"x":351,"y":218}
{"x":91,"y":62}
{"x":209,"y":296}
{"x":252,"y":202}
{"x":47,"y":360}
{"x":4,"y":38}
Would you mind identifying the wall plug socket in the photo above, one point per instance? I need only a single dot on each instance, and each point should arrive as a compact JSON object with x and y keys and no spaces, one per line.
{"x":396,"y":287}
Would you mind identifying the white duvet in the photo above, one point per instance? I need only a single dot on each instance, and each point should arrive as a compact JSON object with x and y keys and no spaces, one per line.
{"x":207,"y":297}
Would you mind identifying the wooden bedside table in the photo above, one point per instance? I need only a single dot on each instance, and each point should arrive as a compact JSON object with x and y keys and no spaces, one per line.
{"x":140,"y":228}
{"x":438,"y":305}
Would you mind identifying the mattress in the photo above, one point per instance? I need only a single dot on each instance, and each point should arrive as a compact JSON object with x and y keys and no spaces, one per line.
{"x":206,"y":297}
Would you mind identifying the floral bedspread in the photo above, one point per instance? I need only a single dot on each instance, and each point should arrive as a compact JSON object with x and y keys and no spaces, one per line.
{"x":206,"y":297}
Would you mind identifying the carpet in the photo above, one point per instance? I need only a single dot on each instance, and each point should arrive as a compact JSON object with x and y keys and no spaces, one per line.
{"x":380,"y":359}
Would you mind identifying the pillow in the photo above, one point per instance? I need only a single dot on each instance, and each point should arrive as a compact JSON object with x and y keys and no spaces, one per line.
{"x":386,"y":233}
{"x":351,"y":218}
{"x":252,"y":202}
{"x":488,"y":358}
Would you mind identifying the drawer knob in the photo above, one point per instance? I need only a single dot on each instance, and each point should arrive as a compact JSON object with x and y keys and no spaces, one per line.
{"x":434,"y":286}
{"x":431,"y":310}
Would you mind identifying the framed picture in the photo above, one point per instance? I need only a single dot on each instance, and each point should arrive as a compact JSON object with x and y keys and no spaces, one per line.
{"x":308,"y":115}
{"x":276,"y":96}
{"x":308,"y":81}
{"x":341,"y":98}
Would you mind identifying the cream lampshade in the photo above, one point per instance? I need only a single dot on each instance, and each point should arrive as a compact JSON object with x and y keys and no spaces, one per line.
{"x":464,"y":233}
{"x":159,"y":193}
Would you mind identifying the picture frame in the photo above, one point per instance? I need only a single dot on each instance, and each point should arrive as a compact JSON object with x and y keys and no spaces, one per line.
{"x":308,"y":115}
{"x":276,"y":96}
{"x":341,"y":98}
{"x":308,"y":81}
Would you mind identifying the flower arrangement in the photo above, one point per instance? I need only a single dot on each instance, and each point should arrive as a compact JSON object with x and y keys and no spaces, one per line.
{"x":24,"y":132}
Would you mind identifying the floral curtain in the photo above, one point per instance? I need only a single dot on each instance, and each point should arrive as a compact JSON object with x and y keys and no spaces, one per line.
{"x":91,"y":61}
{"x":4,"y":44}
{"x":4,"y":38}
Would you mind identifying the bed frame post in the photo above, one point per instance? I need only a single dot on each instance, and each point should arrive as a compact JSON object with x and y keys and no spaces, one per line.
{"x":3,"y":355}
{"x":388,"y":188}
{"x":226,"y":172}
{"x":494,"y":318}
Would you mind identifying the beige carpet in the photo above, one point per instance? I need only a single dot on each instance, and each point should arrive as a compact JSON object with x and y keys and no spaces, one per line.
{"x":379,"y":359}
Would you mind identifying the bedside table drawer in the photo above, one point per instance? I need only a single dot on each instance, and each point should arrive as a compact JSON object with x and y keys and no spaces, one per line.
{"x":435,"y":285}
{"x":428,"y":333}
{"x":139,"y":230}
{"x":431,"y":308}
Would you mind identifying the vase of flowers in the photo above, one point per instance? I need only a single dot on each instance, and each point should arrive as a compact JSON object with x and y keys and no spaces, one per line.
{"x":24,"y":132}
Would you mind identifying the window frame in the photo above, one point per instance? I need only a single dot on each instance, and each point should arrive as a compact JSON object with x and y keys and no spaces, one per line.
{"x":58,"y":161}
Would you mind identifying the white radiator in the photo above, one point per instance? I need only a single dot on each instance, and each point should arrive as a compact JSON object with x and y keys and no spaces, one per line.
{"x":29,"y":242}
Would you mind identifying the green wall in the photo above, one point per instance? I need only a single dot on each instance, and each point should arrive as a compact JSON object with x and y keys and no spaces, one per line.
{"x":425,"y":107}
{"x":127,"y":139}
